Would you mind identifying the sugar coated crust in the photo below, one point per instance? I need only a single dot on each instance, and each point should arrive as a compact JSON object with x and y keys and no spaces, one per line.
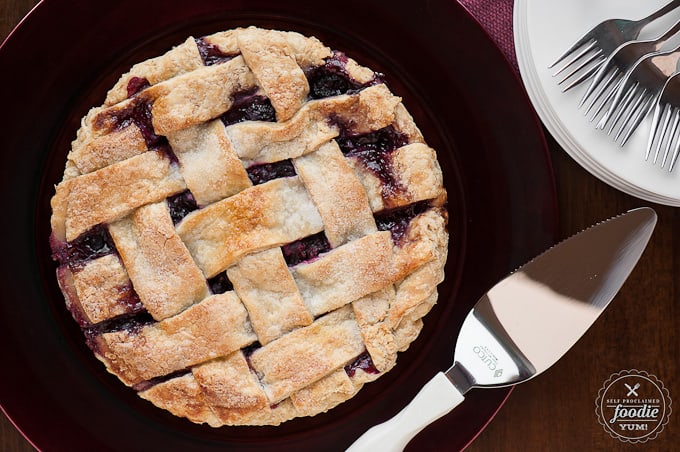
{"x":249,"y":228}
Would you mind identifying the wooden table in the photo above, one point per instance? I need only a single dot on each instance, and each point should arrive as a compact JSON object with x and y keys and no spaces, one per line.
{"x":556,"y":412}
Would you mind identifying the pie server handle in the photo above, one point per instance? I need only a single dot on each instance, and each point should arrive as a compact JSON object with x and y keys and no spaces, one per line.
{"x":435,"y":399}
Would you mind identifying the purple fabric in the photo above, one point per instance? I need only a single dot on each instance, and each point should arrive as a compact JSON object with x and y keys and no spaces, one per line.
{"x":496,"y":18}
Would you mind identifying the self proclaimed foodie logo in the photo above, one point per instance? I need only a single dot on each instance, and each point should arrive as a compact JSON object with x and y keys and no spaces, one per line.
{"x":633,"y":406}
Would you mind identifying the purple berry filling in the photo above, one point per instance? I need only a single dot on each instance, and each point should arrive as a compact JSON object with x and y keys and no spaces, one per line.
{"x":260,"y":174}
{"x":128,"y":297}
{"x":374,"y":150}
{"x":332,"y":78}
{"x":131,"y":323}
{"x":248,"y":106}
{"x":220,"y":284}
{"x":210,"y":53}
{"x":136,"y":84}
{"x":247,"y":351}
{"x":96,"y":242}
{"x":144,"y":385}
{"x":363,"y":362}
{"x":181,"y":205}
{"x":384,"y":140}
{"x":138,"y":112}
{"x":397,"y":220}
{"x":305,"y":249}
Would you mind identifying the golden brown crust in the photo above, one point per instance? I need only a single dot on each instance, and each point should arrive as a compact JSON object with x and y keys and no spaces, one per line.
{"x":271,"y":214}
{"x":182,"y":396}
{"x":414,"y":172}
{"x":276,"y":70}
{"x":198,"y":96}
{"x":346,"y":273}
{"x":316,"y":123}
{"x":230,"y":388}
{"x":324,"y":394}
{"x":287,"y":214}
{"x":102,"y":151}
{"x":161,"y":269}
{"x":337,"y":194}
{"x":196,"y":335}
{"x":102,"y":289}
{"x":112,"y":192}
{"x":180,"y":60}
{"x":274,"y":303}
{"x":308,"y":354}
{"x":208,"y":162}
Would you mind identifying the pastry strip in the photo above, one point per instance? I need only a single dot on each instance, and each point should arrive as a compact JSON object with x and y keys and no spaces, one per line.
{"x":182,"y":396}
{"x":179,"y":60}
{"x":271,"y":214}
{"x":347,"y":273}
{"x":272,"y":61}
{"x":198,"y":96}
{"x":208,"y":162}
{"x":314,"y":124}
{"x":308,"y":354}
{"x":230,"y":388}
{"x":212,"y":328}
{"x":337,"y":193}
{"x":415,"y":170}
{"x":274,"y":303}
{"x":324,"y":394}
{"x":161,"y":269}
{"x":98,"y":152}
{"x":102,"y":289}
{"x":112,"y":192}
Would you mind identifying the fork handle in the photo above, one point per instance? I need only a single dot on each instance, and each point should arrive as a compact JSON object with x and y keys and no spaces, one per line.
{"x":658,"y":13}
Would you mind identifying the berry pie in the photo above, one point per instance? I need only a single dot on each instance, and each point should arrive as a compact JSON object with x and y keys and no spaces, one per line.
{"x":250,"y":228}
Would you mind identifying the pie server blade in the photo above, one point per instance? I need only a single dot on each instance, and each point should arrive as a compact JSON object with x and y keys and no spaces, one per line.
{"x":526,"y":322}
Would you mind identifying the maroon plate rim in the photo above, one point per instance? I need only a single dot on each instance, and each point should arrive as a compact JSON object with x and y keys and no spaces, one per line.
{"x":456,"y":83}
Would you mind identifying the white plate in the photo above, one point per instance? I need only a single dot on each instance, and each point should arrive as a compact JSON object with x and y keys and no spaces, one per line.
{"x":544,"y":29}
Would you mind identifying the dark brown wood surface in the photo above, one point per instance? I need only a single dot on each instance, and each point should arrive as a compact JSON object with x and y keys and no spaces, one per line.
{"x":556,"y":411}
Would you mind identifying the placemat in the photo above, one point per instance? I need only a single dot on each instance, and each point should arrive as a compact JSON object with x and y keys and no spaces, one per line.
{"x":496,"y":18}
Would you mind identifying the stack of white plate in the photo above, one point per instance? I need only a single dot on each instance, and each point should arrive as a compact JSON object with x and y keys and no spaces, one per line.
{"x":543,"y":30}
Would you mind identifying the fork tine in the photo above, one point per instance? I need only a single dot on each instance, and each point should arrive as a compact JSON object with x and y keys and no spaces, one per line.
{"x":610,"y":93}
{"x":623,"y":92}
{"x":671,"y":135}
{"x":653,"y":131}
{"x":592,"y":47}
{"x":598,"y":89}
{"x":585,"y":76}
{"x":598,"y":77}
{"x":616,"y":108}
{"x":676,"y":151}
{"x":584,"y":41}
{"x":583,"y":64}
{"x":631,"y":122}
{"x":665,"y":119}
{"x":628,"y":107}
{"x":643,"y":112}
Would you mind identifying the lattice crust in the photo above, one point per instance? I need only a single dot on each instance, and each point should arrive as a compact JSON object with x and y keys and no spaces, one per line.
{"x":250,"y":228}
{"x":210,"y":166}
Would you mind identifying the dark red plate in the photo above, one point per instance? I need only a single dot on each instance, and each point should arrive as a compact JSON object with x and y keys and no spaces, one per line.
{"x":463,"y":94}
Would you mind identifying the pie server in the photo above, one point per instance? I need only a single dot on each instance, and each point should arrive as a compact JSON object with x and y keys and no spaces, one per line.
{"x":526,"y":322}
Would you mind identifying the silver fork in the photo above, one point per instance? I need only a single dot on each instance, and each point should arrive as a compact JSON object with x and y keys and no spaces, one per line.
{"x":614,"y":68}
{"x":637,"y":92}
{"x":665,"y":131}
{"x":589,"y":52}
